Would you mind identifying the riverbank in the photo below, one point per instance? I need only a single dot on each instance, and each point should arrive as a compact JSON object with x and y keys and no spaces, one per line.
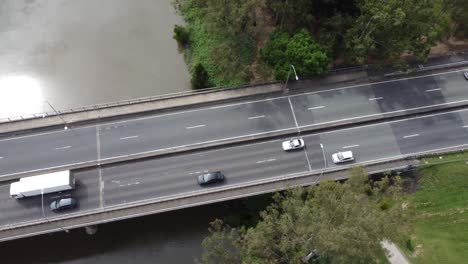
{"x":441,"y":219}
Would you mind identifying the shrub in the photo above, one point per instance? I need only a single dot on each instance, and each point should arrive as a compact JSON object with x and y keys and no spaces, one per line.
{"x":200,"y":78}
{"x":181,"y":35}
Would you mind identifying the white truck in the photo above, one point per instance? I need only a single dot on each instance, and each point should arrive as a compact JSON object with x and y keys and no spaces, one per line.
{"x":42,"y":184}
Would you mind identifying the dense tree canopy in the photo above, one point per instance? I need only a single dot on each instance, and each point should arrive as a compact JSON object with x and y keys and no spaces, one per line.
{"x":341,"y":222}
{"x":387,"y":29}
{"x":225,"y":36}
{"x":299,"y":50}
{"x":459,"y":10}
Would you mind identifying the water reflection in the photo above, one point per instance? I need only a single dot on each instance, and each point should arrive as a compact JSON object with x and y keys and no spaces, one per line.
{"x":20,"y":95}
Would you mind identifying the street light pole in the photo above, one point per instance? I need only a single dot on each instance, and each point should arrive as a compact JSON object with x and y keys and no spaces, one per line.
{"x":285,"y":88}
{"x":43,"y":212}
{"x":324,"y":160}
{"x":42,"y":205}
{"x":57,"y":113}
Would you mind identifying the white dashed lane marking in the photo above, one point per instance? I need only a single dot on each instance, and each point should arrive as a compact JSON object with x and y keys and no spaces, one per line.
{"x":255,"y":117}
{"x":195,"y":126}
{"x":315,"y":108}
{"x":130,"y":137}
{"x":410,"y":136}
{"x":433,"y":90}
{"x":352,"y":146}
{"x":59,"y":148}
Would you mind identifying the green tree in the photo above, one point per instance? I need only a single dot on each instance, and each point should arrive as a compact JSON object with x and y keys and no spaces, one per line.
{"x":292,"y":13}
{"x":200,"y":78}
{"x":387,"y":29}
{"x":224,"y":36}
{"x":222,"y":246}
{"x":341,"y":222}
{"x":300,"y":50}
{"x":459,"y":12}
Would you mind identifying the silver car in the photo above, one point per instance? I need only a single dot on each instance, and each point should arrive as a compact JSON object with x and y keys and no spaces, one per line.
{"x":292,"y":144}
{"x":341,"y":157}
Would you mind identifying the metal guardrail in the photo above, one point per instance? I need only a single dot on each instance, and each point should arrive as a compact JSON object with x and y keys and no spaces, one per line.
{"x":192,"y":194}
{"x":416,"y":68}
{"x":130,"y":102}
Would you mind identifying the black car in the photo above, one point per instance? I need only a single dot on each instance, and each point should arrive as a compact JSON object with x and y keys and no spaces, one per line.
{"x":63,"y":203}
{"x":210,"y":177}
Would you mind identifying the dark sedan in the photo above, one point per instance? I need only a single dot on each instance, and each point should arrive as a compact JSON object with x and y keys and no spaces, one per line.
{"x":210,"y":177}
{"x":63,"y":203}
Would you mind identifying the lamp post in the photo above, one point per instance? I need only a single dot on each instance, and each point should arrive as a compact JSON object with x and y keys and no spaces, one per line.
{"x":57,"y":113}
{"x":285,"y":88}
{"x":42,"y":205}
{"x":324,"y":160}
{"x":43,"y":212}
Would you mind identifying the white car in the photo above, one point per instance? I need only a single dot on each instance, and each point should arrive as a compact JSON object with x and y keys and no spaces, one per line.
{"x":465,"y":73}
{"x":341,"y":157}
{"x":292,"y":144}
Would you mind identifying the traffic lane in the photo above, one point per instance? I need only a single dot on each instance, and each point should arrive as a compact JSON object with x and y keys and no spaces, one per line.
{"x":194,"y":127}
{"x":408,"y":94}
{"x":177,"y":175}
{"x":334,"y":105}
{"x":48,"y":150}
{"x":454,"y":86}
{"x":14,"y":211}
{"x":430,"y":133}
{"x":367,"y":143}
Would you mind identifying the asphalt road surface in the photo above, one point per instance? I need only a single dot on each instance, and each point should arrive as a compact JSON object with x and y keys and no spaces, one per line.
{"x":162,"y":177}
{"x":201,"y":125}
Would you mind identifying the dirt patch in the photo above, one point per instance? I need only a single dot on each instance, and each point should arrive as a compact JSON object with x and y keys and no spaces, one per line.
{"x":449,"y":46}
{"x":265,"y":25}
{"x":411,"y":181}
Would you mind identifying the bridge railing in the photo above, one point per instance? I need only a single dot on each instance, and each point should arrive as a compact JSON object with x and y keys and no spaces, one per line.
{"x":128,"y":102}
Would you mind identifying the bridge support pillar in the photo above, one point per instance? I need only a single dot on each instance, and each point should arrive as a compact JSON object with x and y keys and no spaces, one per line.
{"x":91,"y":230}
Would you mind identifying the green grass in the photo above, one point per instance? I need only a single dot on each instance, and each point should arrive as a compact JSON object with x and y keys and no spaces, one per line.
{"x":441,"y":224}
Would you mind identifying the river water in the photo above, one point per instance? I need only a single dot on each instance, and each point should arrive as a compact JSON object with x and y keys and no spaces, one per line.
{"x":72,"y":53}
{"x":168,"y":238}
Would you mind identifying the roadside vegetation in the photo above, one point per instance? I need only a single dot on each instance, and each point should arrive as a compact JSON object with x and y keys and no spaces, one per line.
{"x":336,"y":222}
{"x":235,"y":42}
{"x":441,"y":205}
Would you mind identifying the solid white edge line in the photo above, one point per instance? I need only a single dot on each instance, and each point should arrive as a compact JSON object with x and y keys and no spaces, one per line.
{"x":130,"y":137}
{"x":264,"y":100}
{"x":317,"y":107}
{"x":164,"y":198}
{"x":195,"y":126}
{"x":369,"y":84}
{"x":410,"y":136}
{"x":386,"y":113}
{"x":255,"y":117}
{"x":375,"y":98}
{"x":249,"y":135}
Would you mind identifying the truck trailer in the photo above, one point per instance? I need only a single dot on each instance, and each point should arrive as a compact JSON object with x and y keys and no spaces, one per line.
{"x":42,"y":184}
